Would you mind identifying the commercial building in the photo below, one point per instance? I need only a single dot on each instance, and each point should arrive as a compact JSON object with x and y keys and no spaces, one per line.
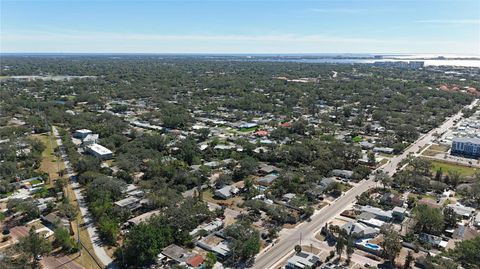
{"x":82,"y":133}
{"x":465,"y":146}
{"x":99,"y":151}
{"x":90,"y":139}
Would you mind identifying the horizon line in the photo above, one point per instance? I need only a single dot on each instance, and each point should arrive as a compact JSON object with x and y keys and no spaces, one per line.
{"x":246,"y":53}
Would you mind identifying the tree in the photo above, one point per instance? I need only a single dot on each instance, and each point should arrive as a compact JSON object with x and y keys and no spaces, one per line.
{"x":421,"y":166}
{"x":143,"y":243}
{"x":68,"y":210}
{"x":467,"y":253}
{"x":371,"y":158}
{"x":108,"y":229}
{"x":439,"y":174}
{"x":350,"y":248}
{"x":309,"y":210}
{"x":450,"y":217}
{"x":34,"y":245}
{"x":245,"y":241}
{"x":63,"y":239}
{"x":429,"y":220}
{"x":455,"y":177}
{"x":210,"y":260}
{"x":383,"y":177}
{"x":411,"y":200}
{"x":341,"y":242}
{"x":297,"y":248}
{"x":248,"y":166}
{"x":28,"y":207}
{"x":408,"y":261}
{"x":391,"y":243}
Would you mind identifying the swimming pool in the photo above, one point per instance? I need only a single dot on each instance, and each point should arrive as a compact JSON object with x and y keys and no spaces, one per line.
{"x":372,"y":246}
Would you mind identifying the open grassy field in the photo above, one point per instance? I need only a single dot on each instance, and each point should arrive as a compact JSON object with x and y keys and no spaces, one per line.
{"x":431,"y":153}
{"x":464,"y":170}
{"x":247,"y":130}
{"x":435,"y":149}
{"x":50,"y":163}
{"x":441,"y":148}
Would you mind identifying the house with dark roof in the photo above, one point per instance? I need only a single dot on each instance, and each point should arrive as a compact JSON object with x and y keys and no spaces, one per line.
{"x":267,"y":180}
{"x":265,"y":169}
{"x":54,"y":220}
{"x":391,"y":199}
{"x":174,"y":255}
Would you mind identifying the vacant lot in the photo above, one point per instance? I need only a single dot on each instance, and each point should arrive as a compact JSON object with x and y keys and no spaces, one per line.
{"x":446,"y":166}
{"x":50,"y":163}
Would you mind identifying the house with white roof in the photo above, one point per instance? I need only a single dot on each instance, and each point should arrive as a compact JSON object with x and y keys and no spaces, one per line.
{"x":461,"y":210}
{"x":302,"y":260}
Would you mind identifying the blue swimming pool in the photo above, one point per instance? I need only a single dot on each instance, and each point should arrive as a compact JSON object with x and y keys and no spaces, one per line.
{"x":372,"y":246}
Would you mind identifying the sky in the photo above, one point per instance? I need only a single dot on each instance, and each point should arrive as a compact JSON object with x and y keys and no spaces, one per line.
{"x":241,"y":26}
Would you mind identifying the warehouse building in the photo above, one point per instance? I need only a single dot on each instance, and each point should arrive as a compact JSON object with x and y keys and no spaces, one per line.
{"x":100,"y":151}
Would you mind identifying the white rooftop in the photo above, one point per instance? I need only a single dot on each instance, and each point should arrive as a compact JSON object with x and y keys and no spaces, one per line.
{"x":100,"y":149}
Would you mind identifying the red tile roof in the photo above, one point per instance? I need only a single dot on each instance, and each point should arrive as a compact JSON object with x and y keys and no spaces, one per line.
{"x":195,"y":261}
{"x":261,"y":133}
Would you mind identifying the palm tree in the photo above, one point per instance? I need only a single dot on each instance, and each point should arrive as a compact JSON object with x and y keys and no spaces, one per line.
{"x":408,"y":261}
{"x":350,"y":248}
{"x":341,"y":242}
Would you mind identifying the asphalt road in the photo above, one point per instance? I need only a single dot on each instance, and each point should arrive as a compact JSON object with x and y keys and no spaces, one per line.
{"x":271,"y":257}
{"x":60,"y":262}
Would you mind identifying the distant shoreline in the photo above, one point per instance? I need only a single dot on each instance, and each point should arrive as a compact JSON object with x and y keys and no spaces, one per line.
{"x":327,"y":58}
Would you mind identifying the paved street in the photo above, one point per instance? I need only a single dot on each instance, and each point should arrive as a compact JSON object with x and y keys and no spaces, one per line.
{"x":60,"y":262}
{"x":289,"y":238}
{"x":88,"y":221}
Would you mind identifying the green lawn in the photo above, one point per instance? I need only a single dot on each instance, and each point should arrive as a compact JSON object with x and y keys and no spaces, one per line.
{"x":357,"y":139}
{"x":36,"y":181}
{"x":246,"y":130}
{"x":441,"y":148}
{"x":464,"y":170}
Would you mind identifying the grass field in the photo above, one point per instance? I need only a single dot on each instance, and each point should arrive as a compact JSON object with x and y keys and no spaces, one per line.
{"x":435,"y":149}
{"x":441,"y":148}
{"x":246,"y":130}
{"x":464,"y":170}
{"x":431,"y":153}
{"x":49,"y":163}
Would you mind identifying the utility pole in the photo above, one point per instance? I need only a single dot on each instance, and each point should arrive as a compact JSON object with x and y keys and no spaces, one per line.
{"x":78,"y":239}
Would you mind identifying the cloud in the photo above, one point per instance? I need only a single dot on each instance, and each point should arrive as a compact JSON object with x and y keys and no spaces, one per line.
{"x":113,"y":36}
{"x":83,"y":41}
{"x":463,"y":21}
